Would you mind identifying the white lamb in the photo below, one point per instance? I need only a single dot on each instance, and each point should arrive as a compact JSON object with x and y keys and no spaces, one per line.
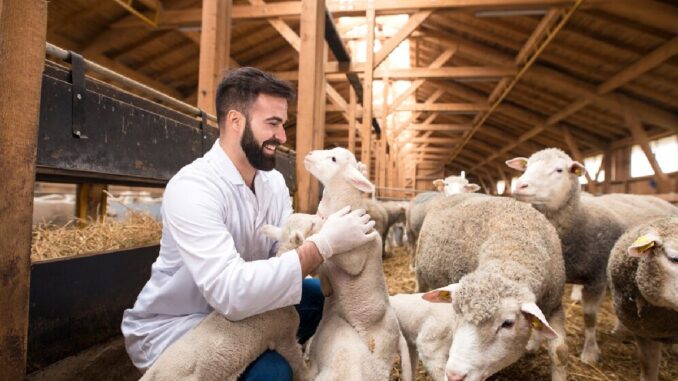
{"x":358,"y":336}
{"x":219,"y":349}
{"x":643,"y":278}
{"x":427,"y":328}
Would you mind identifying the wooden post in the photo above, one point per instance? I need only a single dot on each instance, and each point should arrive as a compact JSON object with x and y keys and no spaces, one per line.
{"x":640,"y":136}
{"x":90,"y":203}
{"x":23,"y":28}
{"x":607,"y":160}
{"x":576,"y":154}
{"x":366,"y":134}
{"x":215,"y":40}
{"x":351,"y":119}
{"x":311,"y":98}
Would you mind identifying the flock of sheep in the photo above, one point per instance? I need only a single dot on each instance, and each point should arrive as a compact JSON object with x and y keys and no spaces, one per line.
{"x":490,"y":272}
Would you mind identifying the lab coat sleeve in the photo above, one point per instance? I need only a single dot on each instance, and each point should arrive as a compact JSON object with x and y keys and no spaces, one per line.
{"x":235,"y":288}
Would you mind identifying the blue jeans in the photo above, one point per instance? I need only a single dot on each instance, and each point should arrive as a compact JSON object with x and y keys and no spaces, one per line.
{"x":272,"y":366}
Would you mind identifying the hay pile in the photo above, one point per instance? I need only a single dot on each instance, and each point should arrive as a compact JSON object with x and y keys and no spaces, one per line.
{"x":139,"y":229}
{"x":618,"y":360}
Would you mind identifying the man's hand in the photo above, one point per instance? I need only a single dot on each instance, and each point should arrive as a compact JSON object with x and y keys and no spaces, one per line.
{"x":343,"y":231}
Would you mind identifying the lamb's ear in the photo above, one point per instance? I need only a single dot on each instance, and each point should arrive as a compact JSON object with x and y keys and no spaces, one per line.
{"x":577,"y":168}
{"x":642,"y":245}
{"x":536,"y":318}
{"x":441,"y":295}
{"x":357,"y":179}
{"x":471,"y":188}
{"x":439,"y":184}
{"x":519,"y":163}
{"x":271,"y":231}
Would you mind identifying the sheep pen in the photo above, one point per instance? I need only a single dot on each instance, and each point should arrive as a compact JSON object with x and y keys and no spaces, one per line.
{"x":619,"y":364}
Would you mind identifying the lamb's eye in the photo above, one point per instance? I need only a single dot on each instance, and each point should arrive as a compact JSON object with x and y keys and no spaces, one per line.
{"x":559,"y":170}
{"x":507,"y":324}
{"x":673,"y":259}
{"x":334,"y":159}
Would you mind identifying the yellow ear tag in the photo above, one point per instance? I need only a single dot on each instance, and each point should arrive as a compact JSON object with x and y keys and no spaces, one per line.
{"x":536,"y":324}
{"x":524,"y":163}
{"x":445,"y":295}
{"x":643,"y":243}
{"x":577,"y":171}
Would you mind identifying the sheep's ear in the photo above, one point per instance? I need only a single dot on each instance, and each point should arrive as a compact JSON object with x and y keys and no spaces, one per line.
{"x":577,"y":168}
{"x":439,"y":184}
{"x":644,"y":244}
{"x":471,"y":188}
{"x":357,"y":179}
{"x":536,"y":318}
{"x":441,"y":295}
{"x":519,"y":163}
{"x":296,"y":237}
{"x":271,"y":231}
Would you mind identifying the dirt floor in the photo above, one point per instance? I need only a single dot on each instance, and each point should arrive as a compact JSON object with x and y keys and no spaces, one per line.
{"x":617,"y":361}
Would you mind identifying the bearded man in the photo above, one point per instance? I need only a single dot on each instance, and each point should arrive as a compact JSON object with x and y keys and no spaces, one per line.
{"x":211,"y":256}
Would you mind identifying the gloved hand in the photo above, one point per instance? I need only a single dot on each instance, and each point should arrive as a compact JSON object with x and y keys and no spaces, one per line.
{"x":343,"y":231}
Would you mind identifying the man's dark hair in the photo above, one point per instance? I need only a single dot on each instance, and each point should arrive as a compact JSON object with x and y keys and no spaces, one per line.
{"x":240,"y":88}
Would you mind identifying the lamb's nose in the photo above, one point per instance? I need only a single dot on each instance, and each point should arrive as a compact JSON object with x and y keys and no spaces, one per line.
{"x":453,"y":376}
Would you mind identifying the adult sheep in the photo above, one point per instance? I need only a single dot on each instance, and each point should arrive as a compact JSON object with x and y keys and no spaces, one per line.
{"x":505,"y":263}
{"x":643,"y":278}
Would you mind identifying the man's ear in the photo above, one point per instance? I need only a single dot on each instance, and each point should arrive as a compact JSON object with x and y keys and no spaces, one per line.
{"x":235,"y":120}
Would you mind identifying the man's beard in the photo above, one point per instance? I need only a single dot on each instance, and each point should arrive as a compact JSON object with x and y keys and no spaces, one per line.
{"x":255,"y":151}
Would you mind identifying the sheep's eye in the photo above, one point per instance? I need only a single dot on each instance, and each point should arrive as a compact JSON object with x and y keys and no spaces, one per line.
{"x":672,"y":259}
{"x":559,"y":170}
{"x":507,"y":324}
{"x":334,"y":159}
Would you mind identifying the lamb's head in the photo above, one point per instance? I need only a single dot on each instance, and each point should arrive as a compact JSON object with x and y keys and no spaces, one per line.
{"x":549,"y":179}
{"x":657,"y":276}
{"x":455,"y":184}
{"x":326,"y":164}
{"x":297,"y":227}
{"x":493,"y":319}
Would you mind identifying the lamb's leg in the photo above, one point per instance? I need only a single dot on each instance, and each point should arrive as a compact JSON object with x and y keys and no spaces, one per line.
{"x":405,"y":360}
{"x":575,"y":296}
{"x":557,"y":347}
{"x":591,"y":298}
{"x":414,"y":360}
{"x":649,"y":353}
{"x":291,"y":351}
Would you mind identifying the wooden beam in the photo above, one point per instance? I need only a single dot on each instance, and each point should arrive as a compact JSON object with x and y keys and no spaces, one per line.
{"x":23,"y":29}
{"x":437,"y":63}
{"x":440,"y":127}
{"x":650,"y":13}
{"x":435,"y":140}
{"x":311,"y":100}
{"x":463,"y":108}
{"x":292,"y":9}
{"x":127,"y":72}
{"x":640,"y":136}
{"x":576,"y":154}
{"x":648,"y":62}
{"x":389,"y":46}
{"x":460,"y":72}
{"x":281,"y":26}
{"x":367,"y":90}
{"x":214,"y":48}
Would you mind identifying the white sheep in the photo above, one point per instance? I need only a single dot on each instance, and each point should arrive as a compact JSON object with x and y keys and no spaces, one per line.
{"x":454,"y":185}
{"x":219,"y":349}
{"x":427,"y":328}
{"x":643,"y":278}
{"x":587,"y":226}
{"x":504,"y":263}
{"x":356,"y":303}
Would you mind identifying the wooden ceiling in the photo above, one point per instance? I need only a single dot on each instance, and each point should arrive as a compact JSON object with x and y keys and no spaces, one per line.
{"x":610,"y":59}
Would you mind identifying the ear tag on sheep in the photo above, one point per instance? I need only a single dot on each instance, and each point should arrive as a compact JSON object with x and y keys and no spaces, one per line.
{"x":523,"y":163}
{"x":445,"y":296}
{"x":643,"y":244}
{"x":577,"y":171}
{"x":536,"y":323}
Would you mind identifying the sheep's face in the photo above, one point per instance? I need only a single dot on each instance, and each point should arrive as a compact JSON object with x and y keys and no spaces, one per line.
{"x":481,"y":348}
{"x":454,"y":185}
{"x":326,"y":164}
{"x":658,"y":265}
{"x":549,"y":178}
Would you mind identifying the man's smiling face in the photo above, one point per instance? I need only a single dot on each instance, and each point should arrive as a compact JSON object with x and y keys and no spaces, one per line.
{"x":264,"y":131}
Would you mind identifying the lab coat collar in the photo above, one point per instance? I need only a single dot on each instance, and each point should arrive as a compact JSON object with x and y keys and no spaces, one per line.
{"x":227,"y":169}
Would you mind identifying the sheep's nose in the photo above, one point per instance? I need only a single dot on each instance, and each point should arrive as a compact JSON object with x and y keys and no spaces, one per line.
{"x":453,"y":376}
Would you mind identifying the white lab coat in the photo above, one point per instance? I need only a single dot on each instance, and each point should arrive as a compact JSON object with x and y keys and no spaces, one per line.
{"x":211,"y":255}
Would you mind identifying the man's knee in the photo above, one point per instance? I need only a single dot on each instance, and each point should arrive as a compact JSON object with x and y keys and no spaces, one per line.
{"x":269,"y":366}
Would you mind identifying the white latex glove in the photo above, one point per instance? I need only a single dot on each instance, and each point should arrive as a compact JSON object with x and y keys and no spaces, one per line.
{"x":343,"y":231}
